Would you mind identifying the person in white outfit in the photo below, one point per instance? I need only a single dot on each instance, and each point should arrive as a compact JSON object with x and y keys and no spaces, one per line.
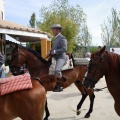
{"x":88,"y":56}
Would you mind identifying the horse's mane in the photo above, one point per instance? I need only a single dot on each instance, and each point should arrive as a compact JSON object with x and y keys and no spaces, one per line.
{"x":39,"y":57}
{"x":35,"y":53}
{"x":113,"y":60}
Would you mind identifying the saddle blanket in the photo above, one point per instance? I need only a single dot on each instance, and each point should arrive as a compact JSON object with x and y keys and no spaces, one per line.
{"x":68,"y":65}
{"x":81,"y":61}
{"x":15,"y":83}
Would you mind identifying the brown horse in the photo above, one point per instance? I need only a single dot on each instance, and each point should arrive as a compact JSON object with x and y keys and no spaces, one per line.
{"x":27,"y":104}
{"x":38,"y":67}
{"x":108,"y":64}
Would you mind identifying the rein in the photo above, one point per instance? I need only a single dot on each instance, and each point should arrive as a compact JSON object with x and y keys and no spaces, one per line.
{"x":38,"y":67}
{"x":102,"y":70}
{"x":23,"y":54}
{"x":101,"y":66}
{"x":37,"y":78}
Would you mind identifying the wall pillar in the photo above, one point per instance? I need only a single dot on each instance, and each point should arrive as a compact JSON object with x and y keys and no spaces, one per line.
{"x":43,"y":48}
{"x":48,"y":46}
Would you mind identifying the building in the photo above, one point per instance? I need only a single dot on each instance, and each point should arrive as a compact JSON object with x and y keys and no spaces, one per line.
{"x":2,"y":36}
{"x":22,"y":34}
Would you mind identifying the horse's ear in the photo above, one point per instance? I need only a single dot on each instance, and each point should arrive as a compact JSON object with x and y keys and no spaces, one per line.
{"x":102,"y":50}
{"x":15,"y":46}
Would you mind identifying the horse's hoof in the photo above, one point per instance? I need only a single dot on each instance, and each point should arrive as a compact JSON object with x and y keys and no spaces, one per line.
{"x":78,"y":112}
{"x":87,"y":116}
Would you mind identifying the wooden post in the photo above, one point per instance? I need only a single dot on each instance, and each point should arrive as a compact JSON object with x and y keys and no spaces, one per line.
{"x":48,"y":46}
{"x":43,"y":48}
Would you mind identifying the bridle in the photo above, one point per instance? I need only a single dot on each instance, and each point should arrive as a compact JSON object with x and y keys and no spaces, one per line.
{"x":14,"y":68}
{"x":91,"y":81}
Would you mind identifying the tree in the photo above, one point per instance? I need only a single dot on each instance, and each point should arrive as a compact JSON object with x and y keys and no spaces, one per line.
{"x":32,"y":23}
{"x":72,"y":18}
{"x":111,"y":29}
{"x":84,"y":39}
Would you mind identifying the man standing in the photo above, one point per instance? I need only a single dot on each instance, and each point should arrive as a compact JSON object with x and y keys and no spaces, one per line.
{"x":58,"y":51}
{"x":88,"y":56}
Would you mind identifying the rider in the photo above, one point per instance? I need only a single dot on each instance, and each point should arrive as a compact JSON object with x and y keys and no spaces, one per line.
{"x":58,"y":51}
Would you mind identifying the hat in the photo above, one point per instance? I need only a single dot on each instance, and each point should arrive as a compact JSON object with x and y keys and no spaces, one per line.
{"x":56,"y":26}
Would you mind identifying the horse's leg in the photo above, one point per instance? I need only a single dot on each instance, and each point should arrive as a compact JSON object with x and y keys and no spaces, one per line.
{"x":46,"y":111}
{"x":84,"y":95}
{"x":117,"y":107}
{"x":81,"y":102}
{"x":92,"y":97}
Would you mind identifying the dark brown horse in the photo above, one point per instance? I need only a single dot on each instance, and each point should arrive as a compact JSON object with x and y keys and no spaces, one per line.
{"x":108,"y":64}
{"x":38,"y":67}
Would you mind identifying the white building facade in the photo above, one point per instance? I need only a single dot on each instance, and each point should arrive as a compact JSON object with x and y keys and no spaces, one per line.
{"x":1,"y":9}
{"x":22,"y":34}
{"x":2,"y":36}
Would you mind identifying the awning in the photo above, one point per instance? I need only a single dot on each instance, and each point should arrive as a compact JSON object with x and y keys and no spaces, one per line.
{"x":23,"y":33}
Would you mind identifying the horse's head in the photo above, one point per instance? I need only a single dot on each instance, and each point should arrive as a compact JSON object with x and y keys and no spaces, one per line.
{"x":18,"y":58}
{"x":95,"y":69}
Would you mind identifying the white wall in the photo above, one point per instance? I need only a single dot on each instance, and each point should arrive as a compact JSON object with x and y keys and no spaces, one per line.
{"x":2,"y":36}
{"x":2,"y":9}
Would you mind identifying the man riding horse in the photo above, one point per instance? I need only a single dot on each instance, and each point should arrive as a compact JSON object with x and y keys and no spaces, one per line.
{"x":58,"y":51}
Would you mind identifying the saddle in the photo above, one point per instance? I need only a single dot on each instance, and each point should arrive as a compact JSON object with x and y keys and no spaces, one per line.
{"x":15,"y":83}
{"x":68,"y":65}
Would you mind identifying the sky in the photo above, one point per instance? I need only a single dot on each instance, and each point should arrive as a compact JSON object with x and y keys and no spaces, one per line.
{"x":97,"y":11}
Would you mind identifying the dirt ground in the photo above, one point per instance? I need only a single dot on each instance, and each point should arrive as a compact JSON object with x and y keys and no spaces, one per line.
{"x":62,"y":105}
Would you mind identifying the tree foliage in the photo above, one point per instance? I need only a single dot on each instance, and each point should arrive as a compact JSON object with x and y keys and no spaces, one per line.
{"x":71,"y":18}
{"x":32,"y":20}
{"x":32,"y":23}
{"x":84,"y":38}
{"x":111,"y":29}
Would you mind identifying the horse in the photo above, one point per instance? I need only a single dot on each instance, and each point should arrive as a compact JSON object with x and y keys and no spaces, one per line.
{"x":38,"y":67}
{"x":27,"y":104}
{"x":105,"y":63}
